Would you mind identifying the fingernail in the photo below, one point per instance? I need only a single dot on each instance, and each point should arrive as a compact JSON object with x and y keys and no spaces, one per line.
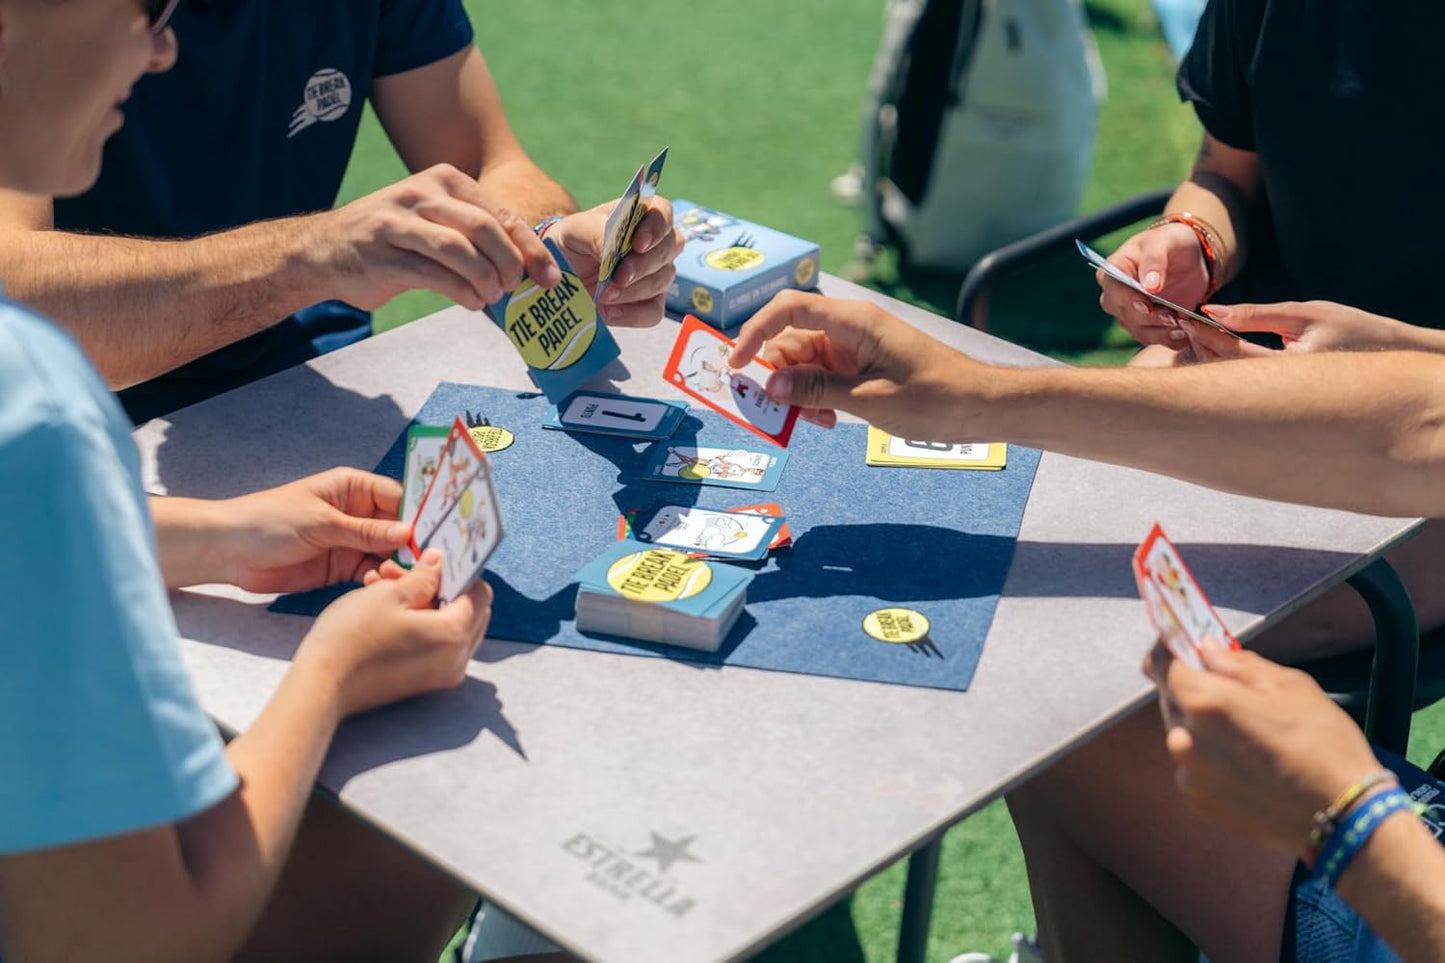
{"x":1141,"y":307}
{"x":610,"y":296}
{"x":431,"y":557}
{"x":1216,"y":311}
{"x":1177,"y":335}
{"x":1152,"y":280}
{"x":398,"y":532}
{"x":626,"y":275}
{"x":780,"y":386}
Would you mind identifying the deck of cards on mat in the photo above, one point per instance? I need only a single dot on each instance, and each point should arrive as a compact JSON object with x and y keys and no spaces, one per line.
{"x":1178,"y":608}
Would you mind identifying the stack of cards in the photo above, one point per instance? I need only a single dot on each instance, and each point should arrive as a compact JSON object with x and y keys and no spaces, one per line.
{"x":622,"y":223}
{"x":646,"y":419}
{"x":659,"y":595}
{"x":885,"y":450}
{"x":557,"y":332}
{"x":1177,"y":606}
{"x":457,"y":510}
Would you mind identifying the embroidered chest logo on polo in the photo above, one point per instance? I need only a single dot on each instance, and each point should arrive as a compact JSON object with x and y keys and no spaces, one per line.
{"x":327,"y":97}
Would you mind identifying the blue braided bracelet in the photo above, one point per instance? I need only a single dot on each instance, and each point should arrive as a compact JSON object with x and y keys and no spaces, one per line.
{"x":1351,"y":834}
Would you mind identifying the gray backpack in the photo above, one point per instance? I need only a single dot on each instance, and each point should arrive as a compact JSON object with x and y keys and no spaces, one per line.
{"x":979,"y":127}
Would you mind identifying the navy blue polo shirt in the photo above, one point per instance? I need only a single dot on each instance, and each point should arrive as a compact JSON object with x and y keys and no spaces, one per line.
{"x":256,"y":120}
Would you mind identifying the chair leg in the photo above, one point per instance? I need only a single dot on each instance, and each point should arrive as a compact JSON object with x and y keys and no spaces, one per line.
{"x":1397,"y":656}
{"x":918,"y":902}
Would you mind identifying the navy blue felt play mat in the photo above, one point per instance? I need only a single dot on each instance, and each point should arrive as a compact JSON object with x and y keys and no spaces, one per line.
{"x":864,"y":538}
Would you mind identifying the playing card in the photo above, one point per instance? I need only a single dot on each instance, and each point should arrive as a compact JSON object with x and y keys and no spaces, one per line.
{"x":782,"y":538}
{"x":1099,"y":261}
{"x":715,"y":534}
{"x":605,"y":414}
{"x":458,"y":464}
{"x":1177,"y":606}
{"x":726,"y":467}
{"x":622,"y":223}
{"x":699,"y":366}
{"x":886,"y":450}
{"x":424,"y":445}
{"x":468,"y":535}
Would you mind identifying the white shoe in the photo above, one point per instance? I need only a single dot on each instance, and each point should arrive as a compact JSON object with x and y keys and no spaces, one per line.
{"x":847,"y":187}
{"x":1026,"y":950}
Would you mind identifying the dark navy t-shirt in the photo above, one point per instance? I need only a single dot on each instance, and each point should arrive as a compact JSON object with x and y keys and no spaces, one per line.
{"x":1337,"y":97}
{"x":256,"y":120}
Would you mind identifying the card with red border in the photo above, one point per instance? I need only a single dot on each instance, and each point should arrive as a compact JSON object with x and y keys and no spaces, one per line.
{"x":784,"y":537}
{"x":699,"y":366}
{"x":460,"y":462}
{"x":1177,"y":606}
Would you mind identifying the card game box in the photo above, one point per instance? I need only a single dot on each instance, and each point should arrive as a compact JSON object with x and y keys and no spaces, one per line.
{"x":729,"y":267}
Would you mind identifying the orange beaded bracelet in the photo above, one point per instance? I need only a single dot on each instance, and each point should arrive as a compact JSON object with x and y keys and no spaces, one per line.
{"x":1209,"y":243}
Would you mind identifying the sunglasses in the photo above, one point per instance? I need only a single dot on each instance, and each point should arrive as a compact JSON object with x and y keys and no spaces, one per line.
{"x":159,"y":13}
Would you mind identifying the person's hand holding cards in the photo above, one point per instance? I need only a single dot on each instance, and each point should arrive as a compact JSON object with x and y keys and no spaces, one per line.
{"x":624,"y":250}
{"x":1167,"y":261}
{"x":831,"y":355}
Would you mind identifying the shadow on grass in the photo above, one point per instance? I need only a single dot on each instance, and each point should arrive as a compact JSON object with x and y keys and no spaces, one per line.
{"x":1104,"y":18}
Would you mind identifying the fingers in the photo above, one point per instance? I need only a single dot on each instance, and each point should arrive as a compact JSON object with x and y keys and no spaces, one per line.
{"x":1138,"y":315}
{"x":809,"y":386}
{"x":370,"y":536}
{"x":638,"y":314}
{"x":452,"y":250}
{"x":418,"y":587}
{"x":656,"y":227}
{"x":822,"y":417}
{"x":521,"y":241}
{"x":467,"y":616}
{"x":1212,"y":345}
{"x":1287,"y":318}
{"x":842,"y":321}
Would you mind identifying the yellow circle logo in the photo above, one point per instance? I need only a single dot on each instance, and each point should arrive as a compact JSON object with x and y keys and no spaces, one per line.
{"x":658,"y":575}
{"x":734,"y":259}
{"x":896,"y":626}
{"x":467,"y":503}
{"x":552,"y":329}
{"x":491,"y":437}
{"x":807,"y":268}
{"x":702,"y":299}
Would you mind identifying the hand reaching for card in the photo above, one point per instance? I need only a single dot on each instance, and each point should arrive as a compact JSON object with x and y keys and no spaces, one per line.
{"x":386,"y":642}
{"x":327,"y":528}
{"x":853,"y":356}
{"x":638,"y":293}
{"x":1259,"y":746}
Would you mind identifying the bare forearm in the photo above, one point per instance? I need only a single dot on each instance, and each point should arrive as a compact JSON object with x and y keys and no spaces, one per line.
{"x":527,"y":190}
{"x":191,"y":540}
{"x":141,"y":307}
{"x":1397,"y":883}
{"x":235,"y":852}
{"x":1352,"y":431}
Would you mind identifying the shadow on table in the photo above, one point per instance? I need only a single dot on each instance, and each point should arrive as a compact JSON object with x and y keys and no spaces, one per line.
{"x":1249,"y":578}
{"x":416,"y":726}
{"x":194,"y":462}
{"x":429,"y":723}
{"x":891,"y":561}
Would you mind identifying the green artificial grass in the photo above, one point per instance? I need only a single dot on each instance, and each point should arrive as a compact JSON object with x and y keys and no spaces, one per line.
{"x":760,"y":102}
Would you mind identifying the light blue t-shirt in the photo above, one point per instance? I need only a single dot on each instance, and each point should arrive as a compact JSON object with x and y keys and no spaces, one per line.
{"x":100,"y":732}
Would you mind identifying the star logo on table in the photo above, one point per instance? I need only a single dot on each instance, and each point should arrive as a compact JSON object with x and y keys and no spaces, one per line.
{"x":668,"y":851}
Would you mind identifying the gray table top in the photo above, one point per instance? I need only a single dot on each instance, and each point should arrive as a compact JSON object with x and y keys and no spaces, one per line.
{"x":650,"y":809}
